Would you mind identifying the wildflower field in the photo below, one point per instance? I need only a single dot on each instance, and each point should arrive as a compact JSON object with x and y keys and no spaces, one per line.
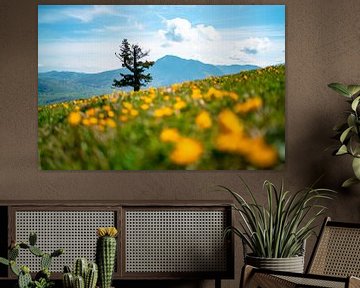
{"x":232,"y":122}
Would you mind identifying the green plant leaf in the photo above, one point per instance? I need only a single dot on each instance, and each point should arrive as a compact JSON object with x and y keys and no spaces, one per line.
{"x":340,"y":88}
{"x":356,"y":167}
{"x":355,"y":103}
{"x":349,"y":182}
{"x":345,"y":134}
{"x":353,"y":89}
{"x":342,"y":150}
{"x":4,"y":261}
{"x":351,"y":119}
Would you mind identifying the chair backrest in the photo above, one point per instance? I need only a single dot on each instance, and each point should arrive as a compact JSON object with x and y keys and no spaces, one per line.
{"x":337,"y":251}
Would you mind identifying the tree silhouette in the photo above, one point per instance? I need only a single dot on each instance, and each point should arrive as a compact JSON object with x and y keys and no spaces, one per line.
{"x":130,"y":57}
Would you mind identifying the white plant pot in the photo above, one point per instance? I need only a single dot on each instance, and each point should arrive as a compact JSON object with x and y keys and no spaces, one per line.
{"x":291,"y":264}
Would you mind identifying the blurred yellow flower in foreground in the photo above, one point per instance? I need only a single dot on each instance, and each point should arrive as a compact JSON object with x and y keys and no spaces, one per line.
{"x":196,"y":93}
{"x":144,"y":106}
{"x":123,"y":118}
{"x":163,"y":111}
{"x":187,"y":151}
{"x":111,"y":123}
{"x":74,"y":118}
{"x":261,"y":154}
{"x":127,"y":105}
{"x":179,"y":105}
{"x":229,"y":122}
{"x":250,"y":105}
{"x":233,"y":139}
{"x":203,"y":120}
{"x":90,"y":112}
{"x":170,"y":135}
{"x":228,"y":142}
{"x":134,"y":112}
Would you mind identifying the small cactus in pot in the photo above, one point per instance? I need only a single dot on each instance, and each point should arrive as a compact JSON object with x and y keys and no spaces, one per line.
{"x":106,"y":254}
{"x":85,"y":275}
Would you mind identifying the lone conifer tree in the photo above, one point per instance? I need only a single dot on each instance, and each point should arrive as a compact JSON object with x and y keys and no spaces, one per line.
{"x":130,"y":57}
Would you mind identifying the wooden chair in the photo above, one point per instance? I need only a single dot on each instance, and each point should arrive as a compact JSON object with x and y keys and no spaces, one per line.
{"x":334,"y":263}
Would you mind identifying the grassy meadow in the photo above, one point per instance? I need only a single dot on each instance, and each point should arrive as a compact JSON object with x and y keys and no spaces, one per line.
{"x":234,"y":122}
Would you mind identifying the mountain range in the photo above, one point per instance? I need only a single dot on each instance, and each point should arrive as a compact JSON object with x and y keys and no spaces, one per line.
{"x":55,"y":86}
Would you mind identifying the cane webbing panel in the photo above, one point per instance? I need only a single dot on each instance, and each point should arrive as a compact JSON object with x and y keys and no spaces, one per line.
{"x":75,"y":231}
{"x":313,"y":282}
{"x":338,"y":252}
{"x":175,"y":241}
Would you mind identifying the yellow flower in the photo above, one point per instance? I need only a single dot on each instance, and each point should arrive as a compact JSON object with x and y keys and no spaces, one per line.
{"x":261,"y":154}
{"x":249,"y":105}
{"x":134,"y":112}
{"x":233,"y":95}
{"x":167,"y":98}
{"x":229,"y":122}
{"x":90,"y":112}
{"x":144,"y":106}
{"x":148,"y":100}
{"x":187,"y":151}
{"x":101,"y":115}
{"x":179,"y":105}
{"x":170,"y":135}
{"x":111,"y":114}
{"x":212,"y":92}
{"x":123,"y":118}
{"x":107,"y":107}
{"x":93,"y":120}
{"x":227,"y":142}
{"x":203,"y":120}
{"x":163,"y":111}
{"x":127,"y":105}
{"x":74,"y":118}
{"x":111,"y":123}
{"x":86,"y":122}
{"x":196,"y":93}
{"x":175,"y":87}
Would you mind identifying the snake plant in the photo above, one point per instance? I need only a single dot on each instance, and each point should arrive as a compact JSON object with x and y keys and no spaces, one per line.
{"x":279,"y":228}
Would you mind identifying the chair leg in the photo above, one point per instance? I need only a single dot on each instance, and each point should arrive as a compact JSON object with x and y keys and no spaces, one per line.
{"x":217,"y":283}
{"x":246,"y":274}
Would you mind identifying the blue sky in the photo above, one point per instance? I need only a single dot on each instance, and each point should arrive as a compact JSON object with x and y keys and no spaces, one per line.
{"x":84,"y":38}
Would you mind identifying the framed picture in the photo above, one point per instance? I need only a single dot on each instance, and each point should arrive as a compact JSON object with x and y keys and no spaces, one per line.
{"x":161,"y":87}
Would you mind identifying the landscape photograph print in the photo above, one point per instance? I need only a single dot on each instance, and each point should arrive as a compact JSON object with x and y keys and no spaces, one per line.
{"x":161,"y":87}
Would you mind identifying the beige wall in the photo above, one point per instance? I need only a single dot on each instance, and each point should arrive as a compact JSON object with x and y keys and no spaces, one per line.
{"x":322,"y":46}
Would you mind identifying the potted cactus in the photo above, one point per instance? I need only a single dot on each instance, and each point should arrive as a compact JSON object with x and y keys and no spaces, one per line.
{"x":106,"y":254}
{"x":42,"y":278}
{"x":84,"y":275}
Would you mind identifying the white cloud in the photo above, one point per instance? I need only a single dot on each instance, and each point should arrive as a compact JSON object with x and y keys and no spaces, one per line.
{"x":82,"y":14}
{"x":255,"y":45}
{"x":180,"y":30}
{"x":88,"y":14}
{"x":92,"y":56}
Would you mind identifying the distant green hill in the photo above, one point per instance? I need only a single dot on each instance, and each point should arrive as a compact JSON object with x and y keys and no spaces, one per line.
{"x":57,"y":86}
